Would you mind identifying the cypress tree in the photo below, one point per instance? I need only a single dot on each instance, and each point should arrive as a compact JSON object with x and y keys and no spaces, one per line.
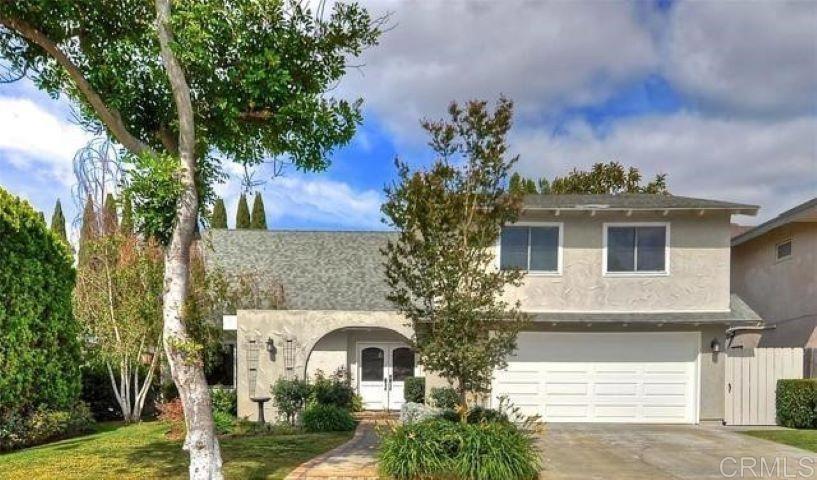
{"x":110,"y":220}
{"x":219,"y":217}
{"x":259,"y":216}
{"x":242,"y":217}
{"x":127,"y":216}
{"x":89,"y":229}
{"x":58,"y":222}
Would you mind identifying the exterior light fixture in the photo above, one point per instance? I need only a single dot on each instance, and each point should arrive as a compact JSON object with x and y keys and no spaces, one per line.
{"x":271,"y":349}
{"x":715,"y":345}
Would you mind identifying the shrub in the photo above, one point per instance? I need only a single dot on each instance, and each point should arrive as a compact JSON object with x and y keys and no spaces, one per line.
{"x":40,"y":337}
{"x":412,"y":412}
{"x":445,"y":397}
{"x":172,"y":412}
{"x":43,"y":426}
{"x":332,"y":391}
{"x":443,"y":449}
{"x":357,"y":403}
{"x":797,"y":403}
{"x":223,"y":422}
{"x":225,"y":401}
{"x":289,"y":396}
{"x":327,"y":418}
{"x":414,"y":390}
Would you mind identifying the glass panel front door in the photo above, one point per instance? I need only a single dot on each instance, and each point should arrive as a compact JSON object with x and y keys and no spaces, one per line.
{"x":382,"y":369}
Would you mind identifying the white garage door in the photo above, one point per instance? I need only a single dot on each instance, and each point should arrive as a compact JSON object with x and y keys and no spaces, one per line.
{"x":635,"y":377}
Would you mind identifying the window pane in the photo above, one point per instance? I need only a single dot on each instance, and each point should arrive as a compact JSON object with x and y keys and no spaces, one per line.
{"x":651,"y":249}
{"x":620,"y":249}
{"x":371,"y":364}
{"x":402,"y":363}
{"x":544,"y":249}
{"x":513,"y":249}
{"x":784,"y":250}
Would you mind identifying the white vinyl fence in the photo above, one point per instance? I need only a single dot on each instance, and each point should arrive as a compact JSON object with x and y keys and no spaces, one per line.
{"x":751,"y":379}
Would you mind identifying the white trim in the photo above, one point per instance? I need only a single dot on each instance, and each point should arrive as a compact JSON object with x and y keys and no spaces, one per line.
{"x":229,"y":322}
{"x":663,"y":273}
{"x":559,"y":250}
{"x":778,"y":259}
{"x":697,"y":407}
{"x":613,"y":312}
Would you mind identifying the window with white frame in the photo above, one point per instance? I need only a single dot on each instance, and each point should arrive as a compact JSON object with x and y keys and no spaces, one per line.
{"x":783,"y":250}
{"x":636,"y":248}
{"x":530,"y":248}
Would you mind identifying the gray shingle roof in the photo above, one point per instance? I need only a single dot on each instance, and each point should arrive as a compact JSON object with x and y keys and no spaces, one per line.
{"x":318,"y":270}
{"x":790,"y":215}
{"x":632,"y":201}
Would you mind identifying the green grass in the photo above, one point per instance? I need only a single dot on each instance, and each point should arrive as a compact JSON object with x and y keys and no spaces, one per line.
{"x":805,"y":439}
{"x":143,"y":451}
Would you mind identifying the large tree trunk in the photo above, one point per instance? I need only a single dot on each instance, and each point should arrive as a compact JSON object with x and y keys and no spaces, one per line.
{"x":185,"y":364}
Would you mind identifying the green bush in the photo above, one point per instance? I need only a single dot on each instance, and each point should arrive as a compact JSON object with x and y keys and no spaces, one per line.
{"x":225,"y":401}
{"x":40,"y":359}
{"x":223,"y":422}
{"x":797,"y":403}
{"x":327,"y":418}
{"x":289,"y":396}
{"x":479,"y":414}
{"x":442,"y":449}
{"x":357,"y":403}
{"x":414,"y":389}
{"x":445,"y":397}
{"x":332,"y":391}
{"x":17,"y":431}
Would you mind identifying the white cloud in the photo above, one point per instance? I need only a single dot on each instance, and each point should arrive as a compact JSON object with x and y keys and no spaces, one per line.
{"x":773,"y":165}
{"x":754,"y":57}
{"x":543,"y":55}
{"x":38,"y":142}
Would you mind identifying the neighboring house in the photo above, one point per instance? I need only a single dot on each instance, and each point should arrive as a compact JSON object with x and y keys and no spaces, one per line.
{"x":774,"y":269}
{"x":628,"y":294}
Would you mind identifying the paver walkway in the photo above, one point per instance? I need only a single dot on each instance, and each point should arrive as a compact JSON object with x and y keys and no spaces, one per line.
{"x":354,"y":460}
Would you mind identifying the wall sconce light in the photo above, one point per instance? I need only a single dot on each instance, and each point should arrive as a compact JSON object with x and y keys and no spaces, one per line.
{"x":715,"y":345}
{"x":271,"y":349}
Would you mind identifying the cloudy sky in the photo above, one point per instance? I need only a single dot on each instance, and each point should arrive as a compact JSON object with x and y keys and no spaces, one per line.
{"x":721,"y":96}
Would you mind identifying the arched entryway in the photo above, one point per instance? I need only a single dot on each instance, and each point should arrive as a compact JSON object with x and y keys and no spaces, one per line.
{"x":376,"y":361}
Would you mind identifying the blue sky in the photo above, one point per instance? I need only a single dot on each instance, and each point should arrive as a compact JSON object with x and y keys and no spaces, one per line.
{"x":671,"y":87}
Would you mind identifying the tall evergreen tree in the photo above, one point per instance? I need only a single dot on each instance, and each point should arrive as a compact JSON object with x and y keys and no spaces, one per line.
{"x":219,"y":217}
{"x":110,"y":219}
{"x":89,"y":229}
{"x":242,"y":216}
{"x":259,"y":216}
{"x":58,"y":222}
{"x":126,"y":227}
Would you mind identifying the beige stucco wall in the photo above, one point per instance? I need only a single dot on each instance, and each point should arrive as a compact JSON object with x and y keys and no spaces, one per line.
{"x":698,"y":278}
{"x":778,"y":290}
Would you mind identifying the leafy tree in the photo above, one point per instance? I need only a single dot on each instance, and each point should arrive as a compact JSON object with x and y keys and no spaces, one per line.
{"x":58,"y":222}
{"x":440,"y":268}
{"x":607,"y":178}
{"x":259,"y":216}
{"x":110,"y":217}
{"x":126,"y":227}
{"x":521,"y":184}
{"x":40,"y":352}
{"x":219,"y":216}
{"x":242,"y":215}
{"x":180,"y":87}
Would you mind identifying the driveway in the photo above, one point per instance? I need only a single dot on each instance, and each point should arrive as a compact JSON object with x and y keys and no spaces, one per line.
{"x":663,"y":452}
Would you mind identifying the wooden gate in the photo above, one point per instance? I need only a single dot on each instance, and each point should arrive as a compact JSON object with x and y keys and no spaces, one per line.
{"x":751,"y":380}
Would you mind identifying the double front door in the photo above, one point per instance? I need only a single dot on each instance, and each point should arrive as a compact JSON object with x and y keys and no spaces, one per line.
{"x":382,"y":369}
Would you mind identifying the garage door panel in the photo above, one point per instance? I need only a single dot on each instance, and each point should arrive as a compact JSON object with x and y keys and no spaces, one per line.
{"x":604,"y":377}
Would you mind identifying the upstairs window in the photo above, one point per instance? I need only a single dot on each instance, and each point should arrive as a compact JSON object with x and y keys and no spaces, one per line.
{"x":783,"y":250}
{"x":636,"y":249}
{"x":533,"y":249}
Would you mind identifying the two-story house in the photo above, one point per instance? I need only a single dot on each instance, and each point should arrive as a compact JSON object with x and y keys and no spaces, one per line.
{"x":629,"y":298}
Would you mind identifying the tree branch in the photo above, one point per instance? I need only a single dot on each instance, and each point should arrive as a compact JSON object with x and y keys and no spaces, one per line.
{"x":108,"y":116}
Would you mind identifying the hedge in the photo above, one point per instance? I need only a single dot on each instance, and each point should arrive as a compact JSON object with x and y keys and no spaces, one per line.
{"x":797,"y":403}
{"x":39,"y":364}
{"x":414,"y":390}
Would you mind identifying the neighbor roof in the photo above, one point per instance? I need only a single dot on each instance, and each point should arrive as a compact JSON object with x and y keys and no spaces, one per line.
{"x":797,"y":214}
{"x":318,"y":270}
{"x":632,"y":201}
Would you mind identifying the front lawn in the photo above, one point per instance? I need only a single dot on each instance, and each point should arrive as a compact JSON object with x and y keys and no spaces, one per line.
{"x":805,"y":439}
{"x":142,"y":451}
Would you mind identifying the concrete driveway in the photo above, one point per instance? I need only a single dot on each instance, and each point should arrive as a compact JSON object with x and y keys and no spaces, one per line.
{"x":659,"y":452}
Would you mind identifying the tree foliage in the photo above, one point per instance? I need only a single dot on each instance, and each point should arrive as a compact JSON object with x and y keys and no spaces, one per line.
{"x":39,"y":347}
{"x":259,"y":216}
{"x":218,"y":219}
{"x":126,"y":227}
{"x":58,"y":222}
{"x":89,"y":228}
{"x":242,"y":214}
{"x":608,"y":178}
{"x":528,"y":186}
{"x":440,"y":268}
